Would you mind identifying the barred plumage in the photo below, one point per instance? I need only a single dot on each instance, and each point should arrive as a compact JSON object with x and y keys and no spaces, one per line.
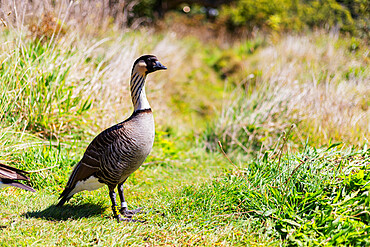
{"x":9,"y":176}
{"x":119,"y":150}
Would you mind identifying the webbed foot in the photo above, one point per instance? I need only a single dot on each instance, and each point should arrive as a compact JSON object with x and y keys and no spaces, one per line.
{"x":120,"y":218}
{"x":129,"y":213}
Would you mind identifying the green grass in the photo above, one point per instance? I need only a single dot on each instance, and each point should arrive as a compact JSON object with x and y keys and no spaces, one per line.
{"x":150,"y":187}
{"x":38,"y":97}
{"x":285,"y":187}
{"x":314,"y":196}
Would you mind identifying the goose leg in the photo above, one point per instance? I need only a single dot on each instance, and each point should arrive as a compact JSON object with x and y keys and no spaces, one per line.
{"x":124,"y":210}
{"x":115,"y":210}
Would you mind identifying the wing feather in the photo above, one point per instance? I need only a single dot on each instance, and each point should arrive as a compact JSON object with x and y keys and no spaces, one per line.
{"x":92,"y":159}
{"x":8,"y":172}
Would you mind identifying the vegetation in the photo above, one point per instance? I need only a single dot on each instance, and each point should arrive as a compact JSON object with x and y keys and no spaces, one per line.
{"x":304,"y":81}
{"x":288,"y":15}
{"x":258,"y":142}
{"x":311,"y":197}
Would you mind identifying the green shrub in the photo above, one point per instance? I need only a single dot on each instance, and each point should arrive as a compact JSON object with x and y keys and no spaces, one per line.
{"x":328,"y":12}
{"x":287,"y":14}
{"x":359,"y":10}
{"x":261,"y":13}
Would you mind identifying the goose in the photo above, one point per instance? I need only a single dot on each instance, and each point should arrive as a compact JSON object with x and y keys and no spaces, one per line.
{"x":118,"y":151}
{"x":9,"y":175}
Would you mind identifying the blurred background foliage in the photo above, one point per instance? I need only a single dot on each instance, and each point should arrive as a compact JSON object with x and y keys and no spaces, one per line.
{"x":241,"y":16}
{"x":288,"y":15}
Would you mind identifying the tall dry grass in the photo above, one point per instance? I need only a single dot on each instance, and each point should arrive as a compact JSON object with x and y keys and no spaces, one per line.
{"x":314,"y":81}
{"x":88,"y":16}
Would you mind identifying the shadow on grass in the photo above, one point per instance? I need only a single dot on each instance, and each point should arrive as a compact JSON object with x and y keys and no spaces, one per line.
{"x":67,"y":212}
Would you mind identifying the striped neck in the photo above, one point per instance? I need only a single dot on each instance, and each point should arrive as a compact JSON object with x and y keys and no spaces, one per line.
{"x":137,"y":87}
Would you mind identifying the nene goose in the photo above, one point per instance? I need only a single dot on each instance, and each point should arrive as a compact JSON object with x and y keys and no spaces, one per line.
{"x":119,"y":150}
{"x":9,"y":175}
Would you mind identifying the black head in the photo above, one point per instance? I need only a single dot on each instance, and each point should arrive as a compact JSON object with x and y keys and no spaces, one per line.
{"x":148,"y":64}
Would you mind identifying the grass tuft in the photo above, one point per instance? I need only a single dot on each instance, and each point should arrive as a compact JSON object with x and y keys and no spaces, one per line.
{"x":312,"y":196}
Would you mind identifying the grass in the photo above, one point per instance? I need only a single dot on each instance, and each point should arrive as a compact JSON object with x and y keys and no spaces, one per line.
{"x":315,"y":82}
{"x":314,"y":196}
{"x":285,"y":186}
{"x":92,"y":210}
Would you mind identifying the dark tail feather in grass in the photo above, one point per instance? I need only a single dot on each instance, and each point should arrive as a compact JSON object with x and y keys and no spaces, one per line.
{"x":9,"y":175}
{"x":19,"y":185}
{"x":6,"y":170}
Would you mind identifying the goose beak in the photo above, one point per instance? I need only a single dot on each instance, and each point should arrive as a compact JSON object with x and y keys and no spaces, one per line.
{"x":159,"y":66}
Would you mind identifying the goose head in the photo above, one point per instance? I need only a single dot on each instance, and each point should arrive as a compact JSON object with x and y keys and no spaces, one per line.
{"x":147,"y":64}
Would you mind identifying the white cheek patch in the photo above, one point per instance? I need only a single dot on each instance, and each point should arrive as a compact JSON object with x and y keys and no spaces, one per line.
{"x":141,"y":63}
{"x":141,"y":67}
{"x":89,"y":184}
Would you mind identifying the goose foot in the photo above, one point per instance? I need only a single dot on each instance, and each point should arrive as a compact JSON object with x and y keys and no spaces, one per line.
{"x":129,"y":213}
{"x":120,"y":218}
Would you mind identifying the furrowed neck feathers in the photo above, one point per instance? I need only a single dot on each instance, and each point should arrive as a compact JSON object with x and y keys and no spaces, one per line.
{"x":137,"y":87}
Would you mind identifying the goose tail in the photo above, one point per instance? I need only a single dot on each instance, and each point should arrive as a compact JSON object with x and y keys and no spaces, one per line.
{"x":19,"y":185}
